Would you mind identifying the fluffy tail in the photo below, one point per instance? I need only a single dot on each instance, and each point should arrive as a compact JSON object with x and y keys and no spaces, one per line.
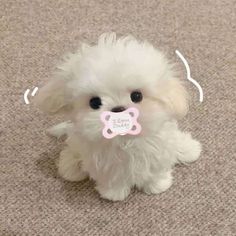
{"x":60,"y":129}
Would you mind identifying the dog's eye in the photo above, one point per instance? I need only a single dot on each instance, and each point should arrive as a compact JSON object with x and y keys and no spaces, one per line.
{"x":95,"y":103}
{"x":136,"y":96}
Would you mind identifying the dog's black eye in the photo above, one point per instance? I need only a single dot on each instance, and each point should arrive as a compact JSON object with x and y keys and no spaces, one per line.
{"x":136,"y":96}
{"x":95,"y":103}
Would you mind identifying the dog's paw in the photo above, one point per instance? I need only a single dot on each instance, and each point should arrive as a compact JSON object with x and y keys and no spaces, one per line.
{"x":69,"y":167}
{"x":159,"y":185}
{"x":113,"y":194}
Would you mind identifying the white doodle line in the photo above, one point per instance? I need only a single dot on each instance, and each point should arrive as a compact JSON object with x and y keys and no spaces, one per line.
{"x":189,"y":75}
{"x":32,"y":94}
{"x":25,"y":96}
{"x":34,"y":91}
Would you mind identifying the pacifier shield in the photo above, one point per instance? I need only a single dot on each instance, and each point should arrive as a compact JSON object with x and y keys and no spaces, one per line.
{"x":120,"y":123}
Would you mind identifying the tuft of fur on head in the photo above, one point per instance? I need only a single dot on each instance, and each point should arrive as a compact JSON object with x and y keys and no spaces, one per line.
{"x":111,"y":70}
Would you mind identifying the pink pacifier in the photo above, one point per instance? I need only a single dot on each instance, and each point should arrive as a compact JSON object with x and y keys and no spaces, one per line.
{"x":120,"y":123}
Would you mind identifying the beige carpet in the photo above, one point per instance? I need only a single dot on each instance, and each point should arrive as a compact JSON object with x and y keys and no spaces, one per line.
{"x":34,"y":35}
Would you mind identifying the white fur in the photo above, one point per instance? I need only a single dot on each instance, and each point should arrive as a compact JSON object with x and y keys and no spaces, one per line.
{"x":112,"y":69}
{"x":60,"y":129}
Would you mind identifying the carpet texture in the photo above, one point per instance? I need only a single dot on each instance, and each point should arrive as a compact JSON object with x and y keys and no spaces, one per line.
{"x":34,"y":35}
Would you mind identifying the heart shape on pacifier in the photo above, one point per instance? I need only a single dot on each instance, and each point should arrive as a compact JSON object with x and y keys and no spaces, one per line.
{"x":120,"y":123}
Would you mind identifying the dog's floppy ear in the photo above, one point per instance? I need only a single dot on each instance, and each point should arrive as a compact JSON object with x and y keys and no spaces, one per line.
{"x":56,"y":95}
{"x":53,"y":97}
{"x":174,"y":96}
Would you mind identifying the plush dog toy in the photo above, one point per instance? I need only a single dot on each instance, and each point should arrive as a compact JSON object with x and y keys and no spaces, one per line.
{"x":123,"y":100}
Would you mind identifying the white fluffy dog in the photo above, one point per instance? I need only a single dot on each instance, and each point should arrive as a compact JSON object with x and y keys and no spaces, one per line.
{"x":113,"y":75}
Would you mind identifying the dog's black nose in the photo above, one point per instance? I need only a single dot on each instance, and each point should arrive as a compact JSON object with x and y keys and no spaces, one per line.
{"x":117,"y":109}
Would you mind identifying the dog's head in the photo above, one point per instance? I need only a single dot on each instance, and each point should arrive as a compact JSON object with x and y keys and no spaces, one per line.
{"x":114,"y":75}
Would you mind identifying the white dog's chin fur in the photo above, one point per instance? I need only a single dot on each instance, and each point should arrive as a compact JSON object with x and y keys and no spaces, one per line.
{"x":111,"y":70}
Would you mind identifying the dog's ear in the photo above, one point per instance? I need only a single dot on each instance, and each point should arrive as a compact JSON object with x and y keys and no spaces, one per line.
{"x":53,"y":97}
{"x":174,"y":97}
{"x":56,"y":95}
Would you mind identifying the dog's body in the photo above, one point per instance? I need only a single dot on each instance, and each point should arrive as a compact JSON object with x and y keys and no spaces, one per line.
{"x":108,"y":73}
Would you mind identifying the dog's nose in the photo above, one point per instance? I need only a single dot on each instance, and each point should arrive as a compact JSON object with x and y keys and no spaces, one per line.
{"x":118,"y":109}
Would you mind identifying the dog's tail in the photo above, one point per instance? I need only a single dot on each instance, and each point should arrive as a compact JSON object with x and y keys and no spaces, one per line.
{"x":60,"y":129}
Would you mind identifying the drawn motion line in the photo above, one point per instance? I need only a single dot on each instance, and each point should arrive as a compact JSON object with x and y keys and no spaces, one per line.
{"x":26,"y":96}
{"x":189,"y":75}
{"x":34,"y":91}
{"x":32,"y":94}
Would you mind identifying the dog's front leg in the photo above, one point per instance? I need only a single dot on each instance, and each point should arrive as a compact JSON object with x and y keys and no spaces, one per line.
{"x":158,"y":183}
{"x":69,"y":166}
{"x":116,"y":192}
